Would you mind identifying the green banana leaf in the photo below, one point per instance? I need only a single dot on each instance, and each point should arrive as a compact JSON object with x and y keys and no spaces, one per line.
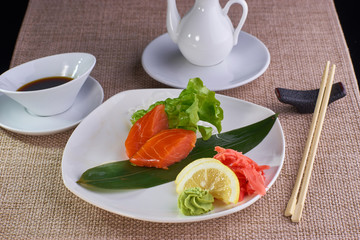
{"x":124,"y":175}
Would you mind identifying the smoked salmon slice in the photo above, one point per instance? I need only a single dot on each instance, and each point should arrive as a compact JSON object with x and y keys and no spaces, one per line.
{"x":165,"y":148}
{"x":145,"y":128}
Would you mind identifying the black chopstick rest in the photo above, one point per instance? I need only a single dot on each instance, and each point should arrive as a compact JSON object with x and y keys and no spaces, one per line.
{"x":305,"y":100}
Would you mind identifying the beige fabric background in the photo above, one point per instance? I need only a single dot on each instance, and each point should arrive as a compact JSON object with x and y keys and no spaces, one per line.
{"x":301,"y":37}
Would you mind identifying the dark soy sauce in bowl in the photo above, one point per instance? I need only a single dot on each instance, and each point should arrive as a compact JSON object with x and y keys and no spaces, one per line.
{"x":44,"y":83}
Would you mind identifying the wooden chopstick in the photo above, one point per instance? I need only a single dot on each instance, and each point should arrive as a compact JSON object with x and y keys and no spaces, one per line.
{"x":292,"y":202}
{"x":295,"y":206}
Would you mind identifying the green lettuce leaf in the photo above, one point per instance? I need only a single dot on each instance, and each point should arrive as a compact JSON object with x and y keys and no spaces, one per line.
{"x":194,"y":103}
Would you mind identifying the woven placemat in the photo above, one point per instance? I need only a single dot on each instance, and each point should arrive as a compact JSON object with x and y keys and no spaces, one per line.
{"x":300,"y":35}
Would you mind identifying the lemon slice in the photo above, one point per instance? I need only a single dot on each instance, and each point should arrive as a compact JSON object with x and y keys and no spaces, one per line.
{"x":190,"y":166}
{"x":212,"y":175}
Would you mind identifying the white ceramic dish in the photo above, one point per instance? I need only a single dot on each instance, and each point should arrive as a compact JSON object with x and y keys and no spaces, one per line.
{"x":54,"y":100}
{"x":248,"y":60}
{"x":100,"y":138}
{"x":14,"y":117}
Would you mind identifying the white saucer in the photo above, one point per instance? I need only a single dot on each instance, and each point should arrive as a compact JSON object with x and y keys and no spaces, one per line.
{"x":163,"y":61}
{"x":14,"y":117}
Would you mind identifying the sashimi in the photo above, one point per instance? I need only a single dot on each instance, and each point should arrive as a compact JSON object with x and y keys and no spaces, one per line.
{"x":145,"y":128}
{"x":165,"y":148}
{"x":250,"y":174}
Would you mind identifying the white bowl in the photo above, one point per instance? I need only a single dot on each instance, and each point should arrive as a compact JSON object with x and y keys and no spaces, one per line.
{"x":50,"y":101}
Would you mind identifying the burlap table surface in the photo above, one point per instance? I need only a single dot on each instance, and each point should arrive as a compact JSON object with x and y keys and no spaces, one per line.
{"x":300,"y":35}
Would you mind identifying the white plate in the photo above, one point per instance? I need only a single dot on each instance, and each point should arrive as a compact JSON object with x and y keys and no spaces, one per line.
{"x":163,"y":61}
{"x":100,"y":138}
{"x":14,"y":117}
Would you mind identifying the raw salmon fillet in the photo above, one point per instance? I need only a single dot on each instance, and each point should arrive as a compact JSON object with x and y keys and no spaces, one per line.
{"x":165,"y":148}
{"x":145,"y":128}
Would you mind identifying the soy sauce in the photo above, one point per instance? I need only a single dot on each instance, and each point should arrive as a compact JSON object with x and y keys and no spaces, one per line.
{"x":44,"y":83}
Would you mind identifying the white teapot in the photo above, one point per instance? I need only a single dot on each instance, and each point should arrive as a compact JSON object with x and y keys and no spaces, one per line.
{"x":205,"y":35}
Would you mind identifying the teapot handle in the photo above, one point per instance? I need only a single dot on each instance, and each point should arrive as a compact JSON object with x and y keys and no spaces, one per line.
{"x":242,"y":19}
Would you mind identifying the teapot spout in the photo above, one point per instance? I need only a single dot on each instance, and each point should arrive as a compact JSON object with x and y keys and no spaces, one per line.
{"x":172,"y":20}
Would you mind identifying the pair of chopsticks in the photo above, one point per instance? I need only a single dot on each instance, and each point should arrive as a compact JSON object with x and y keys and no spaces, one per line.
{"x":297,"y":200}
